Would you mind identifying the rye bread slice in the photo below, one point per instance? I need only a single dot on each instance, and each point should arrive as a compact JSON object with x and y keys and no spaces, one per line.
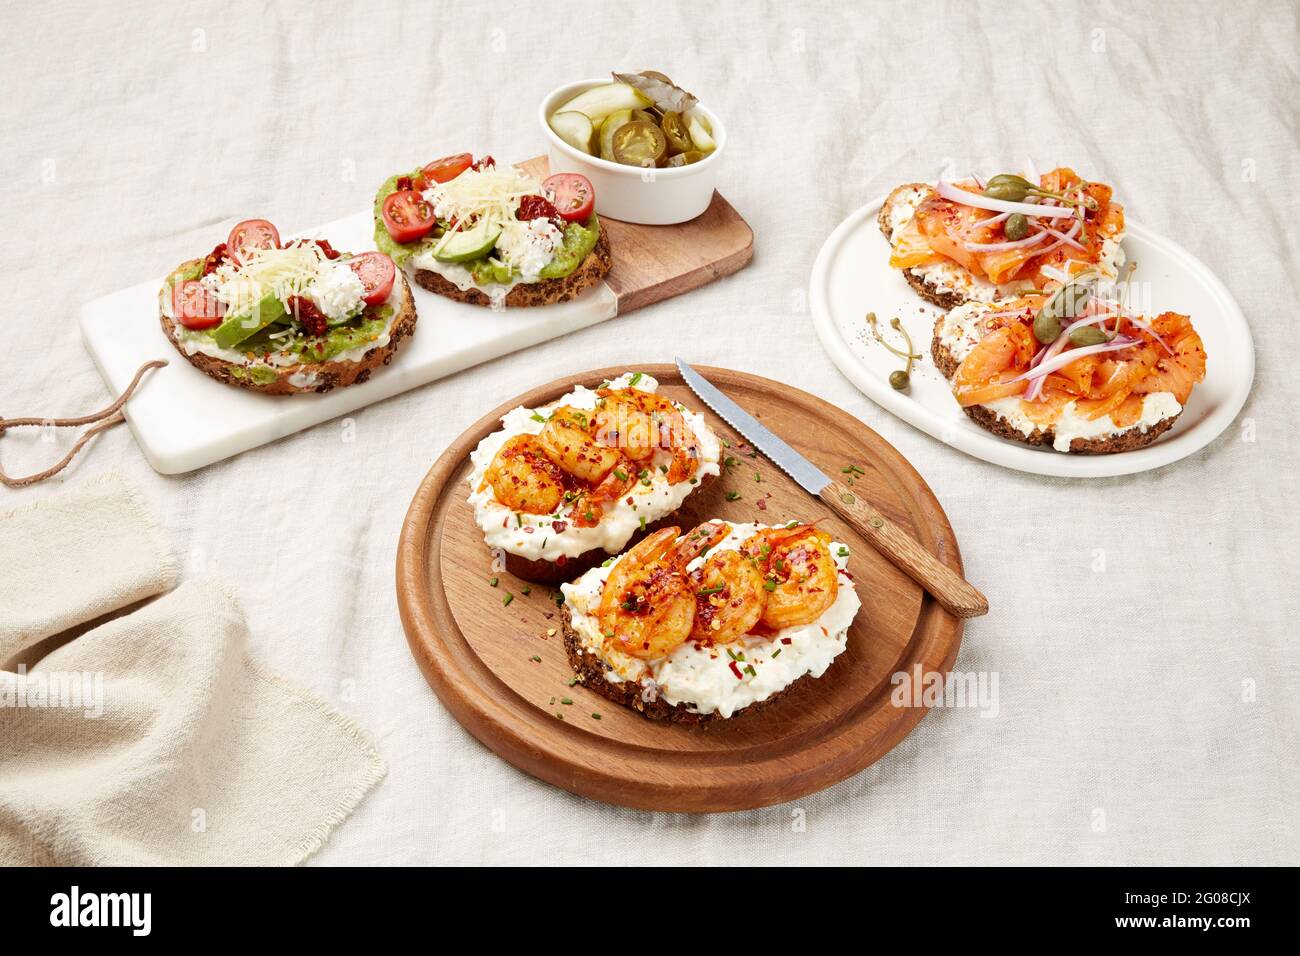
{"x":592,"y":270}
{"x":991,"y":421}
{"x":322,"y":376}
{"x":590,"y":672}
{"x":944,"y":299}
{"x":540,"y":571}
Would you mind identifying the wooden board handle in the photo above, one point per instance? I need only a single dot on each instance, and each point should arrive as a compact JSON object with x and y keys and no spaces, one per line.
{"x":948,"y":587}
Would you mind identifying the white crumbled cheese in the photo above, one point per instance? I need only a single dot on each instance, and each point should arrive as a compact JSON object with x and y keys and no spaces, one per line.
{"x":534,"y":536}
{"x":336,"y":290}
{"x":1070,"y":425}
{"x":529,"y":246}
{"x":700,"y":676}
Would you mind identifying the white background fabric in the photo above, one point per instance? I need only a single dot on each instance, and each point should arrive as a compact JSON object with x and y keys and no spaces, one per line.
{"x":126,"y":147}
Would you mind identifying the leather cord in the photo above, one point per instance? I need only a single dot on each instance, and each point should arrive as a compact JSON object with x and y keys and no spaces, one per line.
{"x":101,"y":421}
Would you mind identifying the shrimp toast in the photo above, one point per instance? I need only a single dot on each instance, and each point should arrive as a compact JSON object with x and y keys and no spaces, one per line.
{"x":1121,"y":393}
{"x":703,"y":625}
{"x":562,"y":487}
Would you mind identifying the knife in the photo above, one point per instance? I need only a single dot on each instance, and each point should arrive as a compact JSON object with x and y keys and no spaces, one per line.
{"x":947,"y":587}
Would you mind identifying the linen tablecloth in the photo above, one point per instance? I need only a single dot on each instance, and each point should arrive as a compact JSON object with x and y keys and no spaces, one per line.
{"x":1142,"y":628}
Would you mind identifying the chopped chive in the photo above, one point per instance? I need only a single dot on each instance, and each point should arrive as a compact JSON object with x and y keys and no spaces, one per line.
{"x":777,"y":652}
{"x":492,"y":582}
{"x":505,"y":601}
{"x":566,"y":701}
{"x":643,"y":522}
{"x":733,"y":495}
{"x":572,"y":682}
{"x":749,"y":669}
{"x":634,"y":379}
{"x":758,"y":476}
{"x":707,"y":591}
{"x":664,"y":469}
{"x":527,"y":590}
{"x":535,"y":659}
{"x":620,"y":474}
{"x":537,"y":417}
{"x":769,"y":585}
{"x":843,"y":552}
{"x":595,"y":715}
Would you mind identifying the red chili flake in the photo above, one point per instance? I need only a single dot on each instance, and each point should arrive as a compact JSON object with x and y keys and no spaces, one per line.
{"x":404,"y":182}
{"x":559,"y":527}
{"x":736,"y":670}
{"x":481,"y":163}
{"x":824,"y":631}
{"x":786,"y":640}
{"x":308,"y":316}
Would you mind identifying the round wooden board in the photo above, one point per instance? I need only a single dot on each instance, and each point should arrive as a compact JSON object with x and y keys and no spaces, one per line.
{"x":480,"y":655}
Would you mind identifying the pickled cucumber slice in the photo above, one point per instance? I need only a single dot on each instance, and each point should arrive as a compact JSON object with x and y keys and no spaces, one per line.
{"x":599,"y":101}
{"x":700,"y":134}
{"x":607,"y":129}
{"x":575,"y":129}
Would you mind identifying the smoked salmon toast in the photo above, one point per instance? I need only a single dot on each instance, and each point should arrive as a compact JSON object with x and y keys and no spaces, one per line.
{"x":979,"y":240}
{"x":1073,"y":368}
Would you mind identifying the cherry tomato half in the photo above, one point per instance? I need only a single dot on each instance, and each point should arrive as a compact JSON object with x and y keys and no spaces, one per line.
{"x":252,"y":234}
{"x":407,"y":216}
{"x":377,"y":274}
{"x":194,"y":305}
{"x":571,"y":194}
{"x":448,"y":168}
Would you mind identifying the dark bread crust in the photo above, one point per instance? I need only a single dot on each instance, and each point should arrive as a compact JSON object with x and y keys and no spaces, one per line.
{"x":944,"y":300}
{"x":329,"y":375}
{"x":590,"y":671}
{"x":991,"y":421}
{"x":527,"y":294}
{"x":553,"y":572}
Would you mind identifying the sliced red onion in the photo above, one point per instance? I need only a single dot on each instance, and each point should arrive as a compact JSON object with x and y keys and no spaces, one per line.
{"x":1074,"y":231}
{"x":1064,"y":238}
{"x":1050,"y":365}
{"x":978,"y":180}
{"x":948,"y":191}
{"x":1002,"y":246}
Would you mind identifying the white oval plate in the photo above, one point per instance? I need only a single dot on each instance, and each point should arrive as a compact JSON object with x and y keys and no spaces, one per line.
{"x":852,"y":277}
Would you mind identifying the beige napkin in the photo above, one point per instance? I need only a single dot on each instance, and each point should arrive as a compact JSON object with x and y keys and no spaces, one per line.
{"x":149,"y":737}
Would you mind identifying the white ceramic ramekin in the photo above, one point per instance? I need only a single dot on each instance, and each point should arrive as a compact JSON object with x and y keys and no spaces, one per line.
{"x":654,"y":197}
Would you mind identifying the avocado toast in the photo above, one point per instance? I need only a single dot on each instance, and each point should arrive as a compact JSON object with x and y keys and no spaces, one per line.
{"x":493,"y":237}
{"x":283,"y":318}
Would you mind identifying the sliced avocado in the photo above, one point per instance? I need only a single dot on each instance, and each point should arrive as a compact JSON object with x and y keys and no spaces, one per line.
{"x":248,"y":322}
{"x":474,"y":243}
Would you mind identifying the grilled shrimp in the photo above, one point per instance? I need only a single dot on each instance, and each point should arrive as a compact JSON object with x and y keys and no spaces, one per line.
{"x":639,"y":423}
{"x":566,"y":439}
{"x":801,"y":579}
{"x":647,"y":607}
{"x":729,"y":597}
{"x":524,"y":479}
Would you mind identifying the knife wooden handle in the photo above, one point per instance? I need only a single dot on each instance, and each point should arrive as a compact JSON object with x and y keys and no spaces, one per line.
{"x":948,"y":587}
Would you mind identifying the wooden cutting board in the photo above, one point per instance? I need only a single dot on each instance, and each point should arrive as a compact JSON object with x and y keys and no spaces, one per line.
{"x":501,"y":668}
{"x":184,"y":420}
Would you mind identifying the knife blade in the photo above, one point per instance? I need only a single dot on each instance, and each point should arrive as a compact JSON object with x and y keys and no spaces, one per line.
{"x":947,"y":586}
{"x":807,"y":475}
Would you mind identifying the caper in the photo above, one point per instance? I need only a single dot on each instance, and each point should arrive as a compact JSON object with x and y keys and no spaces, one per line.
{"x":899,"y":380}
{"x":1046,"y":325}
{"x":1017,"y":226}
{"x":1009,"y":187}
{"x":1088,"y":335}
